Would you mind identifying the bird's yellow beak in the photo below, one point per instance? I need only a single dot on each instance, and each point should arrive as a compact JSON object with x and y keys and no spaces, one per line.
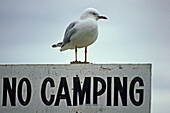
{"x":102,"y":17}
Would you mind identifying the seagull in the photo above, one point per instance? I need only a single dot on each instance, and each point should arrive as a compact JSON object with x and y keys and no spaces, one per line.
{"x":81,"y":33}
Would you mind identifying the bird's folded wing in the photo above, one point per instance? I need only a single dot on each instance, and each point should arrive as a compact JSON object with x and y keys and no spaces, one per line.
{"x":69,"y":32}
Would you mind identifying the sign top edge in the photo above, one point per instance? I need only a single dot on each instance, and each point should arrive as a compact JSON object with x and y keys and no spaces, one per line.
{"x":75,"y":64}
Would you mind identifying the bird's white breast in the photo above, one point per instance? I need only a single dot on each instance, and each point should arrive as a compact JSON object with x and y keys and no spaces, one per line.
{"x":85,"y":35}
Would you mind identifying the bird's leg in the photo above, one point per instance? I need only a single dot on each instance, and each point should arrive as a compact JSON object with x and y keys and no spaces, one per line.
{"x":75,"y":53}
{"x":85,"y":54}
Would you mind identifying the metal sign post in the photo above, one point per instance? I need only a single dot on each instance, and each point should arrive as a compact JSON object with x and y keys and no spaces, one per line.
{"x":75,"y":88}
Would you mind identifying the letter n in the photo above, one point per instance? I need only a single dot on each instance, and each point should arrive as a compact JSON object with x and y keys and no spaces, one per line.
{"x":11,"y":91}
{"x":122,"y":89}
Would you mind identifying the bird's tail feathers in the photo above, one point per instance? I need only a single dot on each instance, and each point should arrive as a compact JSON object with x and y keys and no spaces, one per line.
{"x":57,"y":45}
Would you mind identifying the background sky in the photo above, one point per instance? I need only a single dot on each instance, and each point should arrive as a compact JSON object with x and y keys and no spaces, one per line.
{"x":137,"y":31}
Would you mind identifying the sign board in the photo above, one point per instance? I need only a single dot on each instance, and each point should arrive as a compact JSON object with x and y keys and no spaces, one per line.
{"x":75,"y":88}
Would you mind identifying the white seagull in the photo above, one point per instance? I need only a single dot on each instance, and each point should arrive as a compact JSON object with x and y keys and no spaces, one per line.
{"x":81,"y":33}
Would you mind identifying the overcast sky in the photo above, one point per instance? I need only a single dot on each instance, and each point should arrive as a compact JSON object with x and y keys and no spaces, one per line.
{"x":137,"y":31}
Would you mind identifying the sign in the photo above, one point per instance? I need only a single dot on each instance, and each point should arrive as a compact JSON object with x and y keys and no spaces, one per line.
{"x":75,"y":88}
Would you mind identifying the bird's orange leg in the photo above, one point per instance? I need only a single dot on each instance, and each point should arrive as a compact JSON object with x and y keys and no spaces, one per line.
{"x":75,"y":53}
{"x":85,"y":54}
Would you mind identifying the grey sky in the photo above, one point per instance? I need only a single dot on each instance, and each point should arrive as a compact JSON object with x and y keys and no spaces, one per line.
{"x":137,"y":31}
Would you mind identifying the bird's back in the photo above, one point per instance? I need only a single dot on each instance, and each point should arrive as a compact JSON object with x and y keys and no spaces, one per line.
{"x":85,"y":34}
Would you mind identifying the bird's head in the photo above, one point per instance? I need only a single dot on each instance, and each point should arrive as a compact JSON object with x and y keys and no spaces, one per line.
{"x":91,"y":13}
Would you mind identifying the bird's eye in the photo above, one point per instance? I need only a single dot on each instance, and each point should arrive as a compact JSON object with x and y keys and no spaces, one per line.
{"x":94,"y":13}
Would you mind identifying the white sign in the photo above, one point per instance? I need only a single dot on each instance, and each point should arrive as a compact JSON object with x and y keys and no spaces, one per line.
{"x":75,"y":88}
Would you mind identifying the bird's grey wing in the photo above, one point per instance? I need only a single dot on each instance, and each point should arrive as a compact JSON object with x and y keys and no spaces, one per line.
{"x":69,"y":32}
